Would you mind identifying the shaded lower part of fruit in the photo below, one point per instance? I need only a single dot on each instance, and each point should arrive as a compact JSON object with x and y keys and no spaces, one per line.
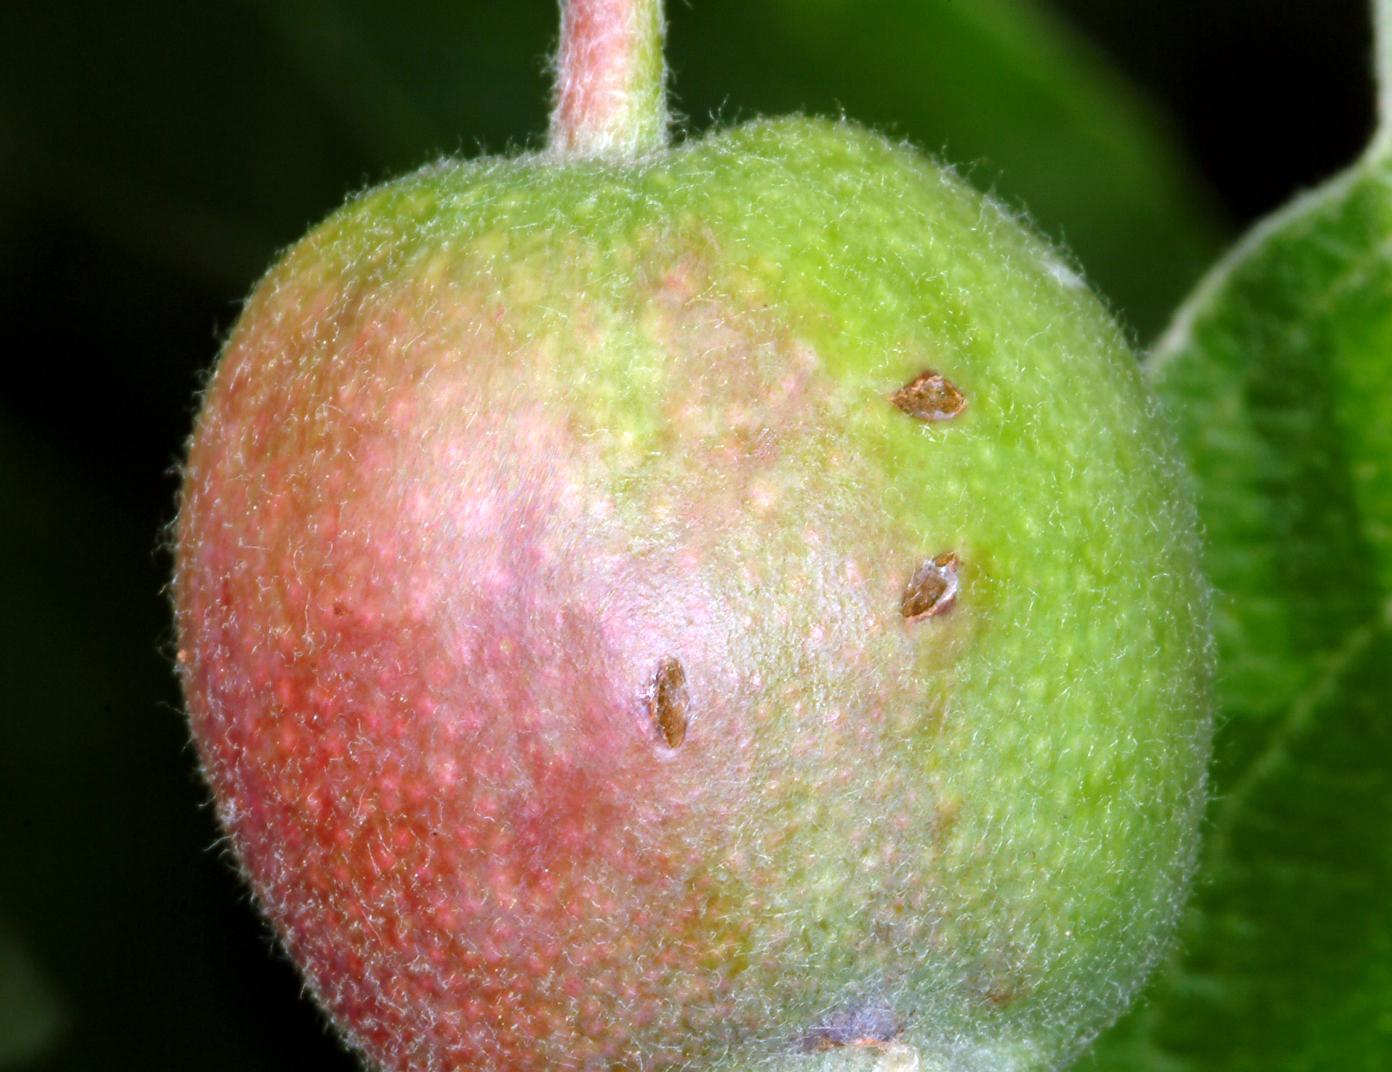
{"x":730,"y":612}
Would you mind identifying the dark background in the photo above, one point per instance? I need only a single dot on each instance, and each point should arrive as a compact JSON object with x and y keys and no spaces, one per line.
{"x":154,"y":156}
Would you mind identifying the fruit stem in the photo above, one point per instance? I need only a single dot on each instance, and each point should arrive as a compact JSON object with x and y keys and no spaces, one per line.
{"x":611,"y":93}
{"x":1382,"y":37}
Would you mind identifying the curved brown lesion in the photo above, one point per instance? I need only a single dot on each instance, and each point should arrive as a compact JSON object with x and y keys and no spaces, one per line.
{"x":669,"y":701}
{"x":932,"y":590}
{"x":930,"y":396}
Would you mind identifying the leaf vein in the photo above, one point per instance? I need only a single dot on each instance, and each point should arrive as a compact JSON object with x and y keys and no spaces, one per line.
{"x":1297,"y":716}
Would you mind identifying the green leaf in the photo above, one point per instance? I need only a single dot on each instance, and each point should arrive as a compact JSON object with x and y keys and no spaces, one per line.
{"x":1279,"y":377}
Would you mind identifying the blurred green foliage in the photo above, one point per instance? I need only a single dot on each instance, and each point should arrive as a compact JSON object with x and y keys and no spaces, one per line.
{"x":29,"y":1017}
{"x":206,"y":137}
{"x":154,"y":155}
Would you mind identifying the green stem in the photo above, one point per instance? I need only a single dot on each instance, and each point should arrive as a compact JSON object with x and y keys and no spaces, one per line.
{"x":611,"y":97}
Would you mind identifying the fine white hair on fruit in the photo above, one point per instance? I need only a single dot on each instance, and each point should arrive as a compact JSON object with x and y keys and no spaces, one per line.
{"x":502,"y":444}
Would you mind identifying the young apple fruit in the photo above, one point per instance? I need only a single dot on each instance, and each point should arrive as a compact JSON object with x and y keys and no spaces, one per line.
{"x":728,"y":606}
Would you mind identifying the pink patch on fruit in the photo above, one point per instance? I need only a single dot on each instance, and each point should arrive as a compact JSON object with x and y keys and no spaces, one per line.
{"x":424,"y":722}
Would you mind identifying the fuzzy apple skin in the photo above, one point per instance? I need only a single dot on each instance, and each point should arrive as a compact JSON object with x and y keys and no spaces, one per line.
{"x":499,"y":438}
